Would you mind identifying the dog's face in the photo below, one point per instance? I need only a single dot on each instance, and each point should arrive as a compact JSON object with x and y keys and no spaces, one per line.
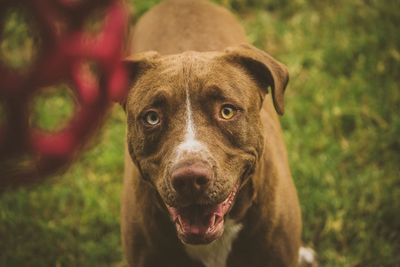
{"x":194,"y":129}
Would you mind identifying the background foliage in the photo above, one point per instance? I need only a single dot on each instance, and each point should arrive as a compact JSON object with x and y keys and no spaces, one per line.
{"x":341,"y":125}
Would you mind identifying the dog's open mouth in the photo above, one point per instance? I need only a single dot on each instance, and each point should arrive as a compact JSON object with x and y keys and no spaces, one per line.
{"x":202,"y":224}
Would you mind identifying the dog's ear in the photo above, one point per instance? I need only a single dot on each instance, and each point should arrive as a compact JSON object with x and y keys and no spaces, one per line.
{"x":264,"y":69}
{"x":137,"y":65}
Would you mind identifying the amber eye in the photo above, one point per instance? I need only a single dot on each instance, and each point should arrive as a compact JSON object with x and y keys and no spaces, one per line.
{"x":152,"y":118}
{"x":228,"y":112}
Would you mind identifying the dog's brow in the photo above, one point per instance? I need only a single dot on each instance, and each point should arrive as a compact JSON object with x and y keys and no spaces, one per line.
{"x":215,"y":93}
{"x":159,"y":98}
{"x":155,"y":99}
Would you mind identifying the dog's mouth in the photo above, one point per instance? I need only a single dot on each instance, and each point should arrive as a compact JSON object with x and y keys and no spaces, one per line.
{"x":202,"y":224}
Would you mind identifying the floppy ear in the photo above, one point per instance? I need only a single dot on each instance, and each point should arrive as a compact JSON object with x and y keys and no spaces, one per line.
{"x":137,"y":65}
{"x":264,"y":69}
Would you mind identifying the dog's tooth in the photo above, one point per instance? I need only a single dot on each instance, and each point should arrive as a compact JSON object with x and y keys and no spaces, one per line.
{"x":180,"y":221}
{"x":213,"y":218}
{"x":179,"y":226}
{"x":219,"y":219}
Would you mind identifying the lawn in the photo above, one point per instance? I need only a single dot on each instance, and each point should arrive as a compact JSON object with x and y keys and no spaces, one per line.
{"x":341,"y":126}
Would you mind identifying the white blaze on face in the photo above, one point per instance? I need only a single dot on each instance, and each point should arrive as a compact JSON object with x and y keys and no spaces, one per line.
{"x":190,"y":143}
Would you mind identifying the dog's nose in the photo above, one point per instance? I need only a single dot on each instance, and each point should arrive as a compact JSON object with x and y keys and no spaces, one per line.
{"x":190,"y":180}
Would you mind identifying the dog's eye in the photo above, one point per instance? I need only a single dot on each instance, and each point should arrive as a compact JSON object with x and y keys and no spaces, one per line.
{"x":152,"y":118}
{"x":228,"y":112}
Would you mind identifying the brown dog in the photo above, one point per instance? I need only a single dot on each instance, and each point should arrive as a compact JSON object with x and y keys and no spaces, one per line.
{"x":207,"y":182}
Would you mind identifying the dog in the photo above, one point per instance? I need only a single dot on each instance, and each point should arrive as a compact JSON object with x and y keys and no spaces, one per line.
{"x":206,"y":180}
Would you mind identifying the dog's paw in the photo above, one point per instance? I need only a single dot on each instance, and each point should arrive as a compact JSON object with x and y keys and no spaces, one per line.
{"x":307,"y":257}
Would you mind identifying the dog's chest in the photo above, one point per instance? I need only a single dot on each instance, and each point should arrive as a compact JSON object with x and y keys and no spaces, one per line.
{"x":216,"y":253}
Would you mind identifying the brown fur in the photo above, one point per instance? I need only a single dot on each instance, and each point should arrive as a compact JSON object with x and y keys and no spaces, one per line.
{"x":267,"y":204}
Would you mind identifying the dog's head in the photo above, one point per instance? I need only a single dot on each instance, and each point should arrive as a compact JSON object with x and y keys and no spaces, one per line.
{"x":194,"y":129}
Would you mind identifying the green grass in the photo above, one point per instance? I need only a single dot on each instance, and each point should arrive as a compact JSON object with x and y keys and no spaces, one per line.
{"x":71,"y":220}
{"x":342,"y":129}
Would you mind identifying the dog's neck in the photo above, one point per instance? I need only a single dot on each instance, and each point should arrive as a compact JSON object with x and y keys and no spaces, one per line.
{"x":216,"y":253}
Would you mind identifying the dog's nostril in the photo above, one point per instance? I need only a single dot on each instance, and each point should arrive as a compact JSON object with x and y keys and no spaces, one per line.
{"x":201,"y":181}
{"x":179,"y":184}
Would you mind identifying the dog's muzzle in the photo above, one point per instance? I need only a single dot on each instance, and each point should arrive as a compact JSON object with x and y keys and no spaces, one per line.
{"x":197,"y":222}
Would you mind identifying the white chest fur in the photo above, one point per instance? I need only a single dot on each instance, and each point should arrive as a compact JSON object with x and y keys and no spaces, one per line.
{"x":216,"y":253}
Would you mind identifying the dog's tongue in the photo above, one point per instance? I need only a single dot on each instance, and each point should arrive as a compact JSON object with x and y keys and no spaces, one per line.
{"x":200,"y":224}
{"x":197,"y":220}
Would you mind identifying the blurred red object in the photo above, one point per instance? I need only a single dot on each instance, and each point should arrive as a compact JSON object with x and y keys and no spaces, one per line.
{"x":29,"y":155}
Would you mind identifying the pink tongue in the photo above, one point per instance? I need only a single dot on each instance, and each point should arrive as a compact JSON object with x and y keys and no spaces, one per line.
{"x":195,"y":229}
{"x":197,"y":221}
